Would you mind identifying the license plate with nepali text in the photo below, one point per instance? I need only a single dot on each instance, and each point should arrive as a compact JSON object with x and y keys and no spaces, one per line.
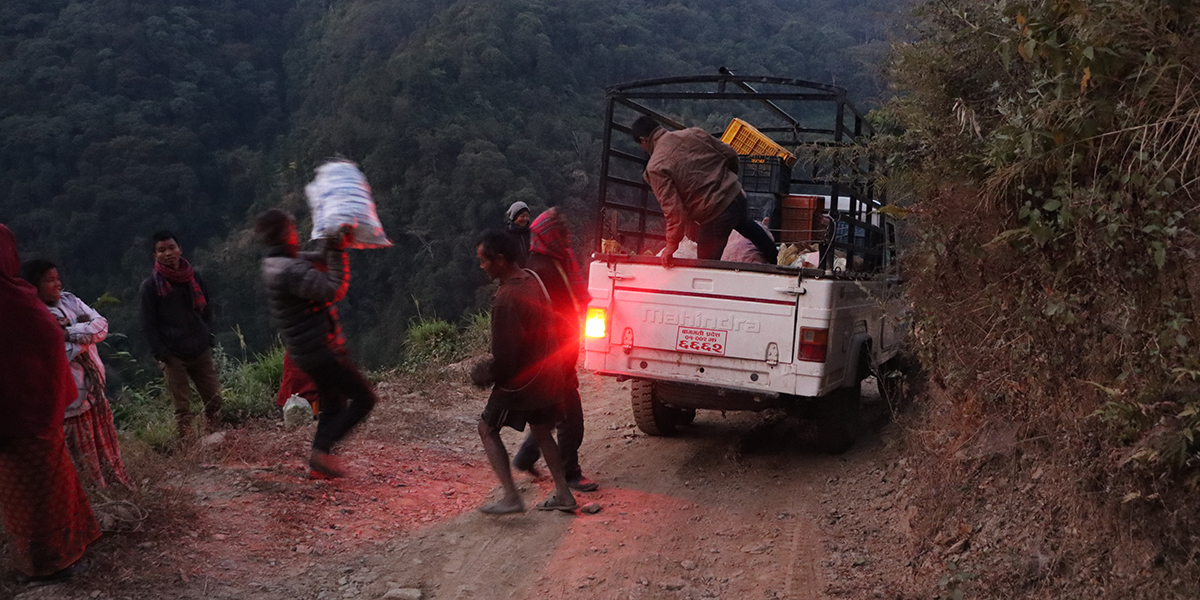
{"x":701,"y":341}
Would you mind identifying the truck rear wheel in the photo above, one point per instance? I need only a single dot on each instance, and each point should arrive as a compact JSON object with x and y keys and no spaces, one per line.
{"x":837,"y":419}
{"x":651,"y":415}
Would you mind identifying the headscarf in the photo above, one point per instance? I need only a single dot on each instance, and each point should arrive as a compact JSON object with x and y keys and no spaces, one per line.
{"x":515,"y":210}
{"x":164,"y":276}
{"x":35,"y":380}
{"x":549,"y":235}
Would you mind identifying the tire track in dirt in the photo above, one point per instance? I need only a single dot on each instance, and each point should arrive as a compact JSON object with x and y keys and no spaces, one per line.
{"x":804,"y":580}
{"x":690,"y":516}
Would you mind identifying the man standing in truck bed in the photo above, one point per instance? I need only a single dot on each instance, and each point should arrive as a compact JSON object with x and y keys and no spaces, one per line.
{"x":694,"y":176}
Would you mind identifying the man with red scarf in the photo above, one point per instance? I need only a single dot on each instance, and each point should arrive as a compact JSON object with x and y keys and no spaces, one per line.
{"x":177,"y":322}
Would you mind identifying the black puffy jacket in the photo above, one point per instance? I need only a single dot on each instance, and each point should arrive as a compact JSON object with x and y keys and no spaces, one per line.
{"x":301,"y":298}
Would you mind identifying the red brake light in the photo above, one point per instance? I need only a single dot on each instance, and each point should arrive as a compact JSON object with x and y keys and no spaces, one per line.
{"x":813,"y":344}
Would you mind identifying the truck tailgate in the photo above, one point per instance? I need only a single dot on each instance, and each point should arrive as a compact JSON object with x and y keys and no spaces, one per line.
{"x":700,"y":311}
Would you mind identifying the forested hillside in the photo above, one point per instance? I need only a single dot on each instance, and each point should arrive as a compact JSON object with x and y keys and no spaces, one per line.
{"x":118,"y":118}
{"x":121,"y":118}
{"x":1052,"y":147}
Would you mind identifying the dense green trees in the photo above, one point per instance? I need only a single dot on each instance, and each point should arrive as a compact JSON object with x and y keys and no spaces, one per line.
{"x":117,"y":118}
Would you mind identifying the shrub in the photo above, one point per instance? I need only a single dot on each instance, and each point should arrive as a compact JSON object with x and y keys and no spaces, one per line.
{"x":430,"y":342}
{"x":1055,"y":275}
{"x":249,"y":386}
{"x":477,"y":336}
{"x":1051,"y":145}
{"x":146,"y":412}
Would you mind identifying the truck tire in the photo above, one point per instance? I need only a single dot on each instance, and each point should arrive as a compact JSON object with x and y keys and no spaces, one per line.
{"x":837,"y":419}
{"x":651,"y":415}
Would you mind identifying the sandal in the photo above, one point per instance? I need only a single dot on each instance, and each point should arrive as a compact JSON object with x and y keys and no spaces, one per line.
{"x":552,"y":503}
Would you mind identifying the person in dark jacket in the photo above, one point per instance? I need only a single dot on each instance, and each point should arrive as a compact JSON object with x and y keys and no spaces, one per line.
{"x":518,"y":228}
{"x":176,"y":319}
{"x":551,"y":257}
{"x":301,"y":297}
{"x":523,"y":373}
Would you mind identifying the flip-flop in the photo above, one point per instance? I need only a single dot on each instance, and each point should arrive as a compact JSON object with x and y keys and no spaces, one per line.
{"x":551,"y":503}
{"x":498,"y":508}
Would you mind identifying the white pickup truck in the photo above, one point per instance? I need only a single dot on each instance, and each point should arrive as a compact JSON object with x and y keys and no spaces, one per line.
{"x":741,"y":336}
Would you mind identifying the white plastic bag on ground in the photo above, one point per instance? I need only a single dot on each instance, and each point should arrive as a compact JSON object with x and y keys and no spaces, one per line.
{"x":296,"y":412}
{"x":340,"y":195}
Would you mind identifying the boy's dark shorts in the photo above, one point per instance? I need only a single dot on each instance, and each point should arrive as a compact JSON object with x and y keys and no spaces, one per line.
{"x":498,"y":416}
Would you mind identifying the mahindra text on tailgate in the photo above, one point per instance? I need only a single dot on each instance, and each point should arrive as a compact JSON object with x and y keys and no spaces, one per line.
{"x":694,"y":325}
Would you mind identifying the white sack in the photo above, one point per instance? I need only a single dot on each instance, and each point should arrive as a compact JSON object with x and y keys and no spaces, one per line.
{"x":687,"y":249}
{"x":340,"y":195}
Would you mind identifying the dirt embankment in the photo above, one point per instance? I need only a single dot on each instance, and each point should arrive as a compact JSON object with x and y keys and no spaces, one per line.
{"x":736,"y":507}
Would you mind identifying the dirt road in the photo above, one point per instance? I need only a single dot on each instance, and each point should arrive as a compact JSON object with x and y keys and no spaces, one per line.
{"x":734,"y":507}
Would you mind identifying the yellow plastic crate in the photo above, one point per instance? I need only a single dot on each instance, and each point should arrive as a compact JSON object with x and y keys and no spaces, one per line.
{"x":745,"y":139}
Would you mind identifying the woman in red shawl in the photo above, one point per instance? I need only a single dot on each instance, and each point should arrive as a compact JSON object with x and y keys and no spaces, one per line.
{"x":551,"y":257}
{"x":44,"y":508}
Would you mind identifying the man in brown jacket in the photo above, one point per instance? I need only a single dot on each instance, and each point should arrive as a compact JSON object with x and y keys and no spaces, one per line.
{"x":694,"y":176}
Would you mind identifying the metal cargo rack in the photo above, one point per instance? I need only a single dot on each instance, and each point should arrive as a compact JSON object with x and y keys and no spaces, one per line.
{"x":805,"y":117}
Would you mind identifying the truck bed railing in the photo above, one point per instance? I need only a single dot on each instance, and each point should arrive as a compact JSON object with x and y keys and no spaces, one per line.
{"x":806,"y":117}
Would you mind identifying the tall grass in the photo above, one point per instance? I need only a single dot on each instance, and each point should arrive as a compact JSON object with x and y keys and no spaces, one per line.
{"x":145,"y":411}
{"x":248,"y":388}
{"x":431,"y":344}
{"x":477,"y":334}
{"x":249,"y":385}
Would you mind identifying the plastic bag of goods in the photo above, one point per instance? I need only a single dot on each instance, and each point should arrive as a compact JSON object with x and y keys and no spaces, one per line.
{"x":687,"y":249}
{"x":296,"y":412}
{"x":340,"y":195}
